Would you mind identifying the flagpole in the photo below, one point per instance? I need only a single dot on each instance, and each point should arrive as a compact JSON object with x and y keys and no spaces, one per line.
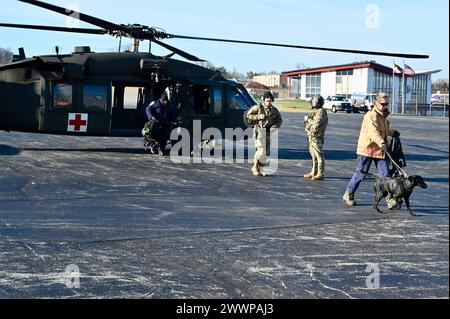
{"x":403,"y":90}
{"x":393,"y":88}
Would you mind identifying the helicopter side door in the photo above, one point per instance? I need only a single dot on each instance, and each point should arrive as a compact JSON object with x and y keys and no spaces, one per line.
{"x":206,"y":103}
{"x":77,"y":108}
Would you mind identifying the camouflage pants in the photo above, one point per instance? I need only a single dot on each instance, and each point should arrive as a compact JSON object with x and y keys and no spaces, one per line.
{"x":262,"y":144}
{"x":318,"y":158}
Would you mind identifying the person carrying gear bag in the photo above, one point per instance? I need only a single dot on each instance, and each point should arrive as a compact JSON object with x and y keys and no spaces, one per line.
{"x":161,"y":115}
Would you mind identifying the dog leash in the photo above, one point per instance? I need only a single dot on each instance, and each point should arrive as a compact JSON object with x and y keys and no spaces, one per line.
{"x":397,"y":166}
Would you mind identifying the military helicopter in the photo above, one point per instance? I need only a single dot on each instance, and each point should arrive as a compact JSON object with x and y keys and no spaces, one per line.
{"x":106,"y":94}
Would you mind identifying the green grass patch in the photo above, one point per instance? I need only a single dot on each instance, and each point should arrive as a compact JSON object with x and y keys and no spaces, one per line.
{"x":298,"y":105}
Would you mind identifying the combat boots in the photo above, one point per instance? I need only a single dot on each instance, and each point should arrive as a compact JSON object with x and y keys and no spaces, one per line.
{"x":256,"y":169}
{"x":349,"y":199}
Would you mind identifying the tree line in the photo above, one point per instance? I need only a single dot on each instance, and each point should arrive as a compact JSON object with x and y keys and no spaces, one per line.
{"x":441,"y":85}
{"x":6,"y":56}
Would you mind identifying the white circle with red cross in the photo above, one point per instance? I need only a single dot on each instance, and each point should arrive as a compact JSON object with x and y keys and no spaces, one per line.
{"x":78,"y":123}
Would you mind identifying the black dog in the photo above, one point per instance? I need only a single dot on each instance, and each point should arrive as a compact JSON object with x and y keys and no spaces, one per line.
{"x":399,"y":188}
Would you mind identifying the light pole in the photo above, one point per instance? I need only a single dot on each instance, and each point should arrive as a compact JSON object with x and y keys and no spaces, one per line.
{"x":445,"y":98}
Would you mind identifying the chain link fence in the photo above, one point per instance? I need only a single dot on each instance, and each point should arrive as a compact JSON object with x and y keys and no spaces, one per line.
{"x":436,"y":108}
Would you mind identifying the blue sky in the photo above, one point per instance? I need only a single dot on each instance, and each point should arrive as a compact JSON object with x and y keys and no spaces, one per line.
{"x":408,"y":27}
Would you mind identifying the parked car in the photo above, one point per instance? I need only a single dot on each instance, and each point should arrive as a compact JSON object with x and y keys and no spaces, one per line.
{"x":361,"y":103}
{"x":338,"y":104}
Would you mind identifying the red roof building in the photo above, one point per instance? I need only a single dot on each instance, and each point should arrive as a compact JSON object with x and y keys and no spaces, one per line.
{"x":361,"y":78}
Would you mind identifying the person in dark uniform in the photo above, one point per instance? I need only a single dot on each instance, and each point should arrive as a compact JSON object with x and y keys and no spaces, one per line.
{"x":161,"y":115}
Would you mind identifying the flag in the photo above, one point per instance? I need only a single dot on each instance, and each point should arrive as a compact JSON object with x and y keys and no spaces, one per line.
{"x":409,"y":71}
{"x":397,"y":69}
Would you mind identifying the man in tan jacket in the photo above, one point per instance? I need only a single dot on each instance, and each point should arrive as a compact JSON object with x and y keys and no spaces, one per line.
{"x":372,"y":147}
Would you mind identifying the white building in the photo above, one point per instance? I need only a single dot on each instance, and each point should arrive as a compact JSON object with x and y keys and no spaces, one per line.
{"x":362,"y":78}
{"x":271,"y":80}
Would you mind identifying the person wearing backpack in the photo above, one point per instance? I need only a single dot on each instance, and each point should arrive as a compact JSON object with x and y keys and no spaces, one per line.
{"x":266,"y":117}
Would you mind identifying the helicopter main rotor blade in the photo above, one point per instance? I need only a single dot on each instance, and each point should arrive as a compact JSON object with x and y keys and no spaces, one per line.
{"x":400,"y":55}
{"x":178,"y":51}
{"x":51,"y":28}
{"x":78,"y":15}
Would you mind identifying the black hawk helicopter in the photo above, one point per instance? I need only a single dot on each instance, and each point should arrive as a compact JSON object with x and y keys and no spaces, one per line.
{"x":106,"y":94}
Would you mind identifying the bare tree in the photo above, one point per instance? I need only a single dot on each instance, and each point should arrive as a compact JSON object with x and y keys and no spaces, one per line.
{"x":5,"y":56}
{"x":300,"y":66}
{"x":441,"y":85}
{"x":227,"y":74}
{"x":252,"y":74}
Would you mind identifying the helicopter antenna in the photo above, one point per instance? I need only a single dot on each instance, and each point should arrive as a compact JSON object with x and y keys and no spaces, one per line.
{"x":120,"y":44}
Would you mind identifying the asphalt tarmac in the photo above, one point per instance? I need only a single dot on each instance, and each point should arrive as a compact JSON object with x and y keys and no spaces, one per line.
{"x":138,"y":226}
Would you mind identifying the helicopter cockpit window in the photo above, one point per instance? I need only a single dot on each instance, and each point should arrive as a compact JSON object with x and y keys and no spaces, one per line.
{"x":95,"y":97}
{"x":239,"y":100}
{"x":62,"y":96}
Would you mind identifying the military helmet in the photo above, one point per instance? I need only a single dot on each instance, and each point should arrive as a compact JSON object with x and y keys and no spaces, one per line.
{"x":317,"y":102}
{"x":268,"y":95}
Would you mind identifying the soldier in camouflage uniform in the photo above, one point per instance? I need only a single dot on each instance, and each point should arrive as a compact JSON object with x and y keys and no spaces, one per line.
{"x":268,"y":117}
{"x":315,"y":126}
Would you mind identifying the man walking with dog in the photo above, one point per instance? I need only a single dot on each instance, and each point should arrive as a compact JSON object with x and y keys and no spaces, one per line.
{"x":372,"y":148}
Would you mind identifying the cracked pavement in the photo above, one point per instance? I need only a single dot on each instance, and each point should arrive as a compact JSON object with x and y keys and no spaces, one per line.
{"x":139,"y":226}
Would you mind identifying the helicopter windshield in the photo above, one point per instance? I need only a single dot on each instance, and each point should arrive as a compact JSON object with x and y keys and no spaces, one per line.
{"x":240,"y":99}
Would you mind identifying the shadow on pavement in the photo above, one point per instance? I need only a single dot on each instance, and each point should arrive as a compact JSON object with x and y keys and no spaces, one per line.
{"x":341,"y":155}
{"x":6,"y":150}
{"x":90,"y":150}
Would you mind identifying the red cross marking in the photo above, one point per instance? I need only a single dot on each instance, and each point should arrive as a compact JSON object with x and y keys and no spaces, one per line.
{"x":78,"y":122}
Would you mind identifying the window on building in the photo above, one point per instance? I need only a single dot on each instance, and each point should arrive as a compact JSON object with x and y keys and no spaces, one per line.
{"x":382,"y":82}
{"x":419,"y":89}
{"x":344,"y":83}
{"x":313,"y":84}
{"x":62,"y":96}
